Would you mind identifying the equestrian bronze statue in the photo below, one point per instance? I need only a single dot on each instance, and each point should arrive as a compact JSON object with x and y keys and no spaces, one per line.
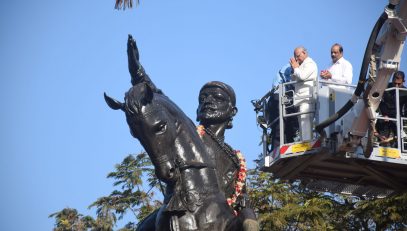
{"x":204,"y":176}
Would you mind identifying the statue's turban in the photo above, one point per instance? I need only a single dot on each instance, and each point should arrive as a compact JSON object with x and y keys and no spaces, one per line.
{"x":228,"y":89}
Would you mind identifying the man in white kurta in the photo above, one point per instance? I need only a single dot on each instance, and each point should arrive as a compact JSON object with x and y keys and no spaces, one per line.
{"x":341,"y":70}
{"x":305,"y":73}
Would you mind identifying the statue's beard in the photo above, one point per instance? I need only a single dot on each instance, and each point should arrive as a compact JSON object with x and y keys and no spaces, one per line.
{"x":209,"y":116}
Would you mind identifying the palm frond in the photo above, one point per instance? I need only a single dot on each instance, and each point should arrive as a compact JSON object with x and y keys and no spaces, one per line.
{"x":123,"y":4}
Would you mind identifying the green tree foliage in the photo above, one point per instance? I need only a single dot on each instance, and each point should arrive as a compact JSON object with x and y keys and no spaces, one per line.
{"x":287,"y":206}
{"x":69,"y":219}
{"x":131,"y":197}
{"x":388,"y":213}
{"x":283,"y":205}
{"x":133,"y":175}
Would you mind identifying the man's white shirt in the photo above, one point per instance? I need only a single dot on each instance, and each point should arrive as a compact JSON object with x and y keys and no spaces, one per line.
{"x":342,"y":71}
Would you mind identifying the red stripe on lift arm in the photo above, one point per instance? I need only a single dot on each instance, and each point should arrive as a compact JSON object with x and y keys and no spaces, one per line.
{"x":283,"y":149}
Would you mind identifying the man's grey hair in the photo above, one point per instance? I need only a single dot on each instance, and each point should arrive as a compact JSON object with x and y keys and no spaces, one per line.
{"x":302,"y":48}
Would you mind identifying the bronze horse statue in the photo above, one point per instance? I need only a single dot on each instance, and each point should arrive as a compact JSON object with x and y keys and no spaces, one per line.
{"x":194,"y":200}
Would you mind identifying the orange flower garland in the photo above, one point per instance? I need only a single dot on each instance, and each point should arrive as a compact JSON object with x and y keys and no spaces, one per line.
{"x":240,"y":175}
{"x":240,"y":178}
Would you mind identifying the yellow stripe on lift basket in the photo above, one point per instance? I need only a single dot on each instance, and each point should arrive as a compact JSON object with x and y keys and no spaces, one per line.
{"x":389,"y":152}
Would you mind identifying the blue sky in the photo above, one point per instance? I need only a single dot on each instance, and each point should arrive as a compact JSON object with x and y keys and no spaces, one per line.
{"x":58,"y":137}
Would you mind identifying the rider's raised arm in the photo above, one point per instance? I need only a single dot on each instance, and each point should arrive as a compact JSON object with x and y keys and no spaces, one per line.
{"x":137,"y":72}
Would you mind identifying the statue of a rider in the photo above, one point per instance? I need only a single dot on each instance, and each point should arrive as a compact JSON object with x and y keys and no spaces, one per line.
{"x":216,"y":109}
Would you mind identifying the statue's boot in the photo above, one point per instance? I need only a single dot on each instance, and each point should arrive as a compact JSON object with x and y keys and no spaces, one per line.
{"x":250,"y":222}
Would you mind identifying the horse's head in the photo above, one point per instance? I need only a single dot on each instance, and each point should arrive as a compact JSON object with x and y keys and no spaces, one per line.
{"x":151,"y":122}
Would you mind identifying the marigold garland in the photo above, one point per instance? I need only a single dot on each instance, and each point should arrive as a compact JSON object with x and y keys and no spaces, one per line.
{"x":240,"y":176}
